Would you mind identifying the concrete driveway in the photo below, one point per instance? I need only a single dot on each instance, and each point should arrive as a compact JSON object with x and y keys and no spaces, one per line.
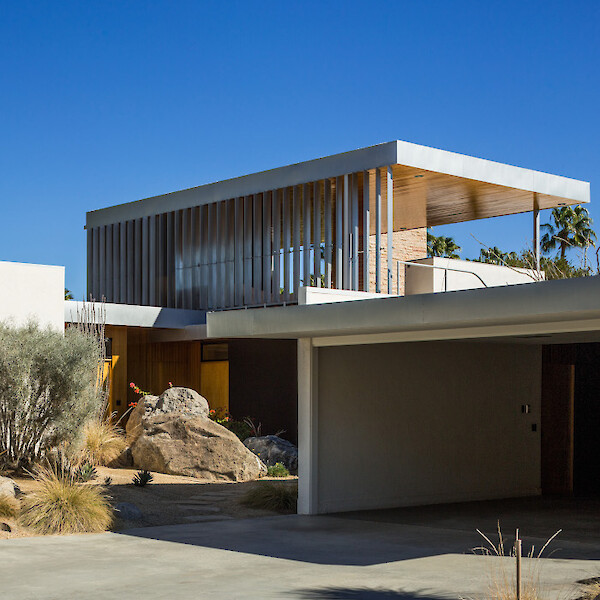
{"x":275,"y":557}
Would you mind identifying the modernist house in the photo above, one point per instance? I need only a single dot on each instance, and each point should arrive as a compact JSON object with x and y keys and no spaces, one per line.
{"x":302,"y":296}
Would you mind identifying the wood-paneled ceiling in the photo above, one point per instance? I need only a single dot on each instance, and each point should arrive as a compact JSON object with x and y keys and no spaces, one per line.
{"x":428,"y":198}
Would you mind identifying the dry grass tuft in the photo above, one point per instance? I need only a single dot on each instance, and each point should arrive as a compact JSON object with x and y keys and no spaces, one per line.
{"x":103,"y":442}
{"x":591,"y":590}
{"x":502,"y":580}
{"x":277,"y":497}
{"x":62,"y":506}
{"x":9,"y":507}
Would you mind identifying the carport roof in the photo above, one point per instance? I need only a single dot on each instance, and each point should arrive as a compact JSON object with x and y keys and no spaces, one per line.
{"x":542,"y":312}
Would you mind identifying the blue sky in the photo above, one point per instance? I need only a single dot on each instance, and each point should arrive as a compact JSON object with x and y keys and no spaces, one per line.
{"x":107,"y":102}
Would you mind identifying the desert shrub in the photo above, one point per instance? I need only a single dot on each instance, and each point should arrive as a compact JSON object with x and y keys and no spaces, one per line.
{"x":48,"y":387}
{"x":221,"y":416}
{"x":277,"y":470}
{"x":277,"y":497}
{"x":9,"y":506}
{"x":61,"y":505}
{"x":103,"y":441}
{"x":142,"y":478}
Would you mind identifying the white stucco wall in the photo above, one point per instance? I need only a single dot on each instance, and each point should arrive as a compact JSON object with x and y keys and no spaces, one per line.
{"x":419,"y":423}
{"x":425,"y":280}
{"x":29,"y":291}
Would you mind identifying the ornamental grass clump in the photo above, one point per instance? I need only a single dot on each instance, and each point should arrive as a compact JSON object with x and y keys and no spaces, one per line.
{"x":277,"y":497}
{"x":9,"y":507}
{"x":103,"y":442}
{"x":503,"y":584}
{"x":63,"y":506}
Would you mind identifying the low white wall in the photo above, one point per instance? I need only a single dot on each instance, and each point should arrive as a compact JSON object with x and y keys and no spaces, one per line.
{"x":29,"y":291}
{"x":314,"y":295}
{"x":422,"y":423}
{"x":426,"y":280}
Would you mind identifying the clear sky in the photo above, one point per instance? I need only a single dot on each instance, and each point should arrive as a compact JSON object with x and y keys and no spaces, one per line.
{"x":111,"y":101}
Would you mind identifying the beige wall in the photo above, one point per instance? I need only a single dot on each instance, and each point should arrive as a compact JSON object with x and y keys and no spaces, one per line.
{"x":418,"y":423}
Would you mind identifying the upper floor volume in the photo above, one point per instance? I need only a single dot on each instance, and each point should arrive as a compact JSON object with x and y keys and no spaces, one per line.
{"x":338,"y":222}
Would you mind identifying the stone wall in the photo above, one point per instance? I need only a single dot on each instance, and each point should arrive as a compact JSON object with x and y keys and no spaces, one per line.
{"x":408,"y":245}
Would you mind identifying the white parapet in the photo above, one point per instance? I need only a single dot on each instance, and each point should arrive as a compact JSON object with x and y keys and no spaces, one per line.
{"x":313,"y":295}
{"x":32,"y":292}
{"x":431,"y":275}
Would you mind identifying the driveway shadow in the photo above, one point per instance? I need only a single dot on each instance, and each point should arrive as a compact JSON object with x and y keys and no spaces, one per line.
{"x":377,"y":537}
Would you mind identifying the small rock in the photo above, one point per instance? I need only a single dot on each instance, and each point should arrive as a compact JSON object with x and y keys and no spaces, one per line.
{"x":272,"y":449}
{"x":9,"y":488}
{"x":5,"y":527}
{"x":128,"y":511}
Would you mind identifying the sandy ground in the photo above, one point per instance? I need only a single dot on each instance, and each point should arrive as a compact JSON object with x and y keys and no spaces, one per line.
{"x":168,"y":500}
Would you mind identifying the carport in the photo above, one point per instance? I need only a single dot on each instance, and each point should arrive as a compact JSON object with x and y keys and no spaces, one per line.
{"x":450,"y":397}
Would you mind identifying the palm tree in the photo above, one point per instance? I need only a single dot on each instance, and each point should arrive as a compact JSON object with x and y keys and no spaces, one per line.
{"x":571,"y":227}
{"x":68,"y":294}
{"x":495,"y":256}
{"x":442,"y":246}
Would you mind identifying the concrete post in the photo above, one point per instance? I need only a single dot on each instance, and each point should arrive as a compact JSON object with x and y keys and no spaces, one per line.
{"x":307,"y":428}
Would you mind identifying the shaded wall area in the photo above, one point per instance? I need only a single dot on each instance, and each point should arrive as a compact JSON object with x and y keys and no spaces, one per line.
{"x":423,"y":423}
{"x":263,"y":384}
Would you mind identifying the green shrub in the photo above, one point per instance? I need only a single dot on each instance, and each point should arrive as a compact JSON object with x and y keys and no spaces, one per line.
{"x":61,"y":505}
{"x":48,"y":389}
{"x":243,"y":429}
{"x":240,"y":428}
{"x":277,"y":497}
{"x":277,"y":470}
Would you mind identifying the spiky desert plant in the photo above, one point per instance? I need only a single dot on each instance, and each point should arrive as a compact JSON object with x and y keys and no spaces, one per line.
{"x":62,"y":506}
{"x":103,"y":441}
{"x":9,"y":506}
{"x":277,"y":497}
{"x":142,"y":478}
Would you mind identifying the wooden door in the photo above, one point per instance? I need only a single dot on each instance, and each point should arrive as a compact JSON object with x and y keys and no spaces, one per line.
{"x":214,"y":383}
{"x":558,"y":416}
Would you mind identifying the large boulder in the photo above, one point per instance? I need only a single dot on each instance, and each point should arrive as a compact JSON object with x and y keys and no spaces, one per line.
{"x":133,"y":427}
{"x":176,"y":400}
{"x":193,"y":446}
{"x":272,"y":449}
{"x":173,"y":434}
{"x":9,"y":488}
{"x":181,"y":401}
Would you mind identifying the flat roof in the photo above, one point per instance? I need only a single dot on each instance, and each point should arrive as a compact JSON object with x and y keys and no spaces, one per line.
{"x":136,"y":316}
{"x":528,"y":311}
{"x":440,"y":187}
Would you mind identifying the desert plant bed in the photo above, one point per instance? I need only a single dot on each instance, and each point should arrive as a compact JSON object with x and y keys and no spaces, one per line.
{"x":165,"y":500}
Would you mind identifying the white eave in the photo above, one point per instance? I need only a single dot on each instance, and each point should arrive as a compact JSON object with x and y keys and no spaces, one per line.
{"x":520,"y":311}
